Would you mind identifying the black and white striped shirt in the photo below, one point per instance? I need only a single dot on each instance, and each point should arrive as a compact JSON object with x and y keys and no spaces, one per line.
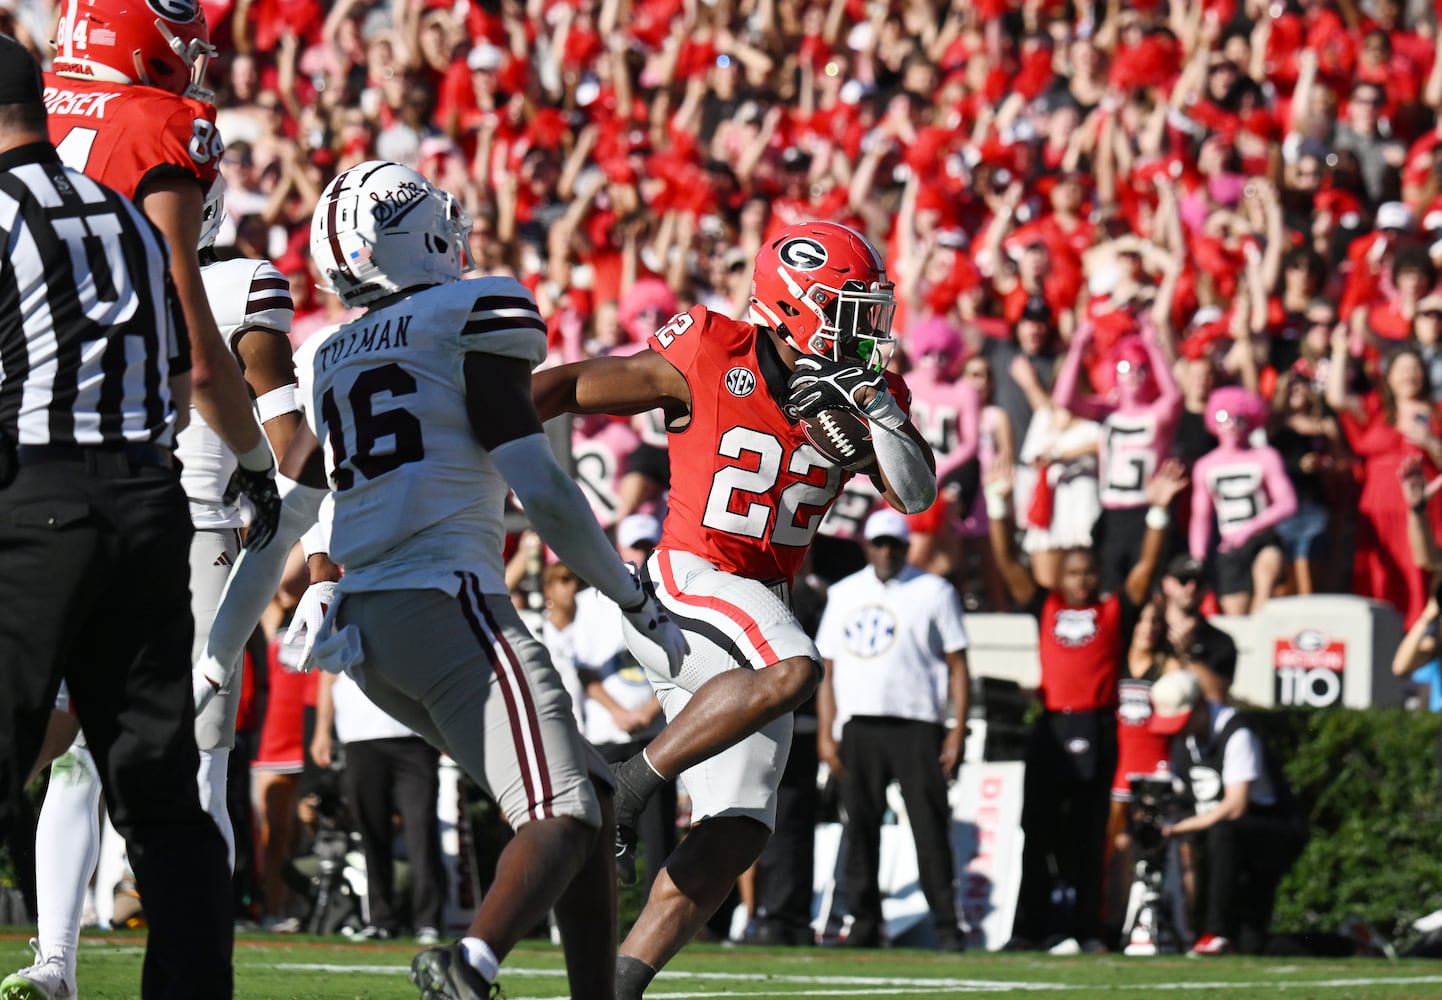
{"x":90,"y":328}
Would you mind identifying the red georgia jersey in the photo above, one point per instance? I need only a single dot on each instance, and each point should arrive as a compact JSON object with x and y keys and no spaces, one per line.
{"x":747,"y":491}
{"x":123,"y":135}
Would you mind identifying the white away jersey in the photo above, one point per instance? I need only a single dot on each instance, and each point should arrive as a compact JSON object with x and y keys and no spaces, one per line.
{"x":244,"y":295}
{"x":416,"y":496}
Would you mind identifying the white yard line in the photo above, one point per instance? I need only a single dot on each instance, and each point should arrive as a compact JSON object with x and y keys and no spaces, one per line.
{"x":889,"y":985}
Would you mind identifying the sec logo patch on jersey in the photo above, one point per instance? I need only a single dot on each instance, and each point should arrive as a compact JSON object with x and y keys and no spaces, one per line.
{"x":740,"y":382}
{"x":803,"y":253}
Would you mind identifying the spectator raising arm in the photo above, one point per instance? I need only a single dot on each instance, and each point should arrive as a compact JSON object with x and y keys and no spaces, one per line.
{"x":1419,"y":645}
{"x":1417,"y":492}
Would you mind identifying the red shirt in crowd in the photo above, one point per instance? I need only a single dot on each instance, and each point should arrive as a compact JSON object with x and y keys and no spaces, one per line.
{"x":1080,"y":650}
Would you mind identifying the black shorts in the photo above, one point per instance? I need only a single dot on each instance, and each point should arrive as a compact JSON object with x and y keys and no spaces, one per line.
{"x":650,"y":461}
{"x":1234,"y":569}
{"x":966,"y":479}
{"x":1117,"y":540}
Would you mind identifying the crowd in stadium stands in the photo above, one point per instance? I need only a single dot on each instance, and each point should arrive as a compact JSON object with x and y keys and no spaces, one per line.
{"x":1256,"y":184}
{"x":1089,"y":211}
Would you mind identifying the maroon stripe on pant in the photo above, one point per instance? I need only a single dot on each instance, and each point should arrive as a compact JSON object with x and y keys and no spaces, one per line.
{"x":523,"y":685}
{"x":502,"y":671}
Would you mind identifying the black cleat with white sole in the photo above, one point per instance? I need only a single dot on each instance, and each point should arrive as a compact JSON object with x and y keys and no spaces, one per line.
{"x":442,"y":973}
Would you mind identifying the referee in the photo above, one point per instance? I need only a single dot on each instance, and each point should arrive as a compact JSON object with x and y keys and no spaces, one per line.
{"x":95,"y":530}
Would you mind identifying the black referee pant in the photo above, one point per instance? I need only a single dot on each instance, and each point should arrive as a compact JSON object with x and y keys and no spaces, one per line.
{"x":95,"y":588}
{"x":386,"y":778}
{"x":1066,"y":798}
{"x":877,"y":751}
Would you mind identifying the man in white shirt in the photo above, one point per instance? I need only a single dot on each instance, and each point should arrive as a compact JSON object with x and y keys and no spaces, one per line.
{"x":894,"y":647}
{"x":1251,"y":830}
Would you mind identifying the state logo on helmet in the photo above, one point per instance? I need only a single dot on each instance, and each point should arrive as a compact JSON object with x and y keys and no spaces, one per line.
{"x":382,"y":228}
{"x":824,"y":288}
{"x":152,"y":43}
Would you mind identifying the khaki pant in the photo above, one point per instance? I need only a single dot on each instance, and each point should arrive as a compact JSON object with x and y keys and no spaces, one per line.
{"x":464,"y":673}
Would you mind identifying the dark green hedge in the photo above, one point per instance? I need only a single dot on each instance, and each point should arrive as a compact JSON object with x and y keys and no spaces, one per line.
{"x":1368,"y":780}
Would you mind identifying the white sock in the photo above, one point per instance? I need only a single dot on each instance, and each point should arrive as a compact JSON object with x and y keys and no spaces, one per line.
{"x":110,"y":870}
{"x":482,"y":959}
{"x":652,"y":766}
{"x":213,"y":767}
{"x":67,"y":845}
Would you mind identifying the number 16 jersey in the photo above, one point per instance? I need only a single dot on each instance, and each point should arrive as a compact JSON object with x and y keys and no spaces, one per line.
{"x":747,"y":491}
{"x":416,"y":496}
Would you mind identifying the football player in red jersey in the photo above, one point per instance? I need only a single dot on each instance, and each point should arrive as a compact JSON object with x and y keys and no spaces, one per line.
{"x":1071,"y":756}
{"x":126,"y":107}
{"x":747,"y":494}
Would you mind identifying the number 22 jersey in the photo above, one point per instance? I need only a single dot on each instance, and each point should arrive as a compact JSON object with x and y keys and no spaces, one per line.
{"x":747,"y":491}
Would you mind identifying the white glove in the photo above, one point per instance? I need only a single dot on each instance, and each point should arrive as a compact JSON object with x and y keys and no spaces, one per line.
{"x":305,"y":626}
{"x":651,"y":622}
{"x":202,"y":688}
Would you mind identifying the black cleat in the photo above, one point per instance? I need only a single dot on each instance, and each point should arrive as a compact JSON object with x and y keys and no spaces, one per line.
{"x":442,"y":973}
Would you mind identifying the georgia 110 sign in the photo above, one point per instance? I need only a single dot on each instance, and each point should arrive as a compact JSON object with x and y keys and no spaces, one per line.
{"x":1308,"y":667}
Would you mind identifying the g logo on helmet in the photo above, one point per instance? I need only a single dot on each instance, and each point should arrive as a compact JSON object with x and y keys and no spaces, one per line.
{"x":802,"y":254}
{"x":179,"y":11}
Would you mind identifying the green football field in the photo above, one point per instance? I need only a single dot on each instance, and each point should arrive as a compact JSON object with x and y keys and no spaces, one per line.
{"x":268,"y":968}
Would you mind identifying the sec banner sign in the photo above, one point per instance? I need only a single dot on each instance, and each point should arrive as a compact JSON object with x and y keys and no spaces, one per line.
{"x":1309,"y":669}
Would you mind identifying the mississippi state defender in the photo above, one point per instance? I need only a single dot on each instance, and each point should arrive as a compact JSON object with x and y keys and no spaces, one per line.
{"x":252,"y":303}
{"x":127,"y":107}
{"x":747,"y":495}
{"x":1072,"y":754}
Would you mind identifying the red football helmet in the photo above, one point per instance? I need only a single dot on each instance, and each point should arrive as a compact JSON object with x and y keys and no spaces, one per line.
{"x":823,"y":287}
{"x":153,"y":43}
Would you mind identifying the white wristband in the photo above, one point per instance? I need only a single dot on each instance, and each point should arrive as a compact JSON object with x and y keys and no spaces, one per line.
{"x":259,"y":458}
{"x":997,"y":508}
{"x":1158,"y":518}
{"x":276,"y":403}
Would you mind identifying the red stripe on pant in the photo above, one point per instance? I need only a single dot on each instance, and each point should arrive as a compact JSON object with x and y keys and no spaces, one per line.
{"x":748,"y":624}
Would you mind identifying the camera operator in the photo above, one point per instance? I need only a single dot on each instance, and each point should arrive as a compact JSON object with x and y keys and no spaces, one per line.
{"x":1250,"y":828}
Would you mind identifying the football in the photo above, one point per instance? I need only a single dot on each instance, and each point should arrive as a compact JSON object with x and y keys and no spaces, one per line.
{"x":843,"y":436}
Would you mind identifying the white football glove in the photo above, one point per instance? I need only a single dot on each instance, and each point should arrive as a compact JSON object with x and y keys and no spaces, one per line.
{"x":305,"y":626}
{"x":652,"y":623}
{"x":202,"y":688}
